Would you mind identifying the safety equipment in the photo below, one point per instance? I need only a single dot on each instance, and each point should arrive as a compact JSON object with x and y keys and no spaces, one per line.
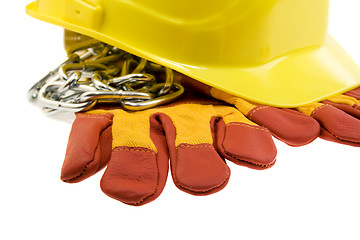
{"x":197,"y":132}
{"x":136,"y":146}
{"x":95,"y":72}
{"x":338,"y":116}
{"x":274,"y":52}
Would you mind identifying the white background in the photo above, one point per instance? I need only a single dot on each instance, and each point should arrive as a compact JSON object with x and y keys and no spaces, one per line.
{"x":311,"y":193}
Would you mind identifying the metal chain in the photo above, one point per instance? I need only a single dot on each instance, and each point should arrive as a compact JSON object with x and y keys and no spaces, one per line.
{"x":96,"y":72}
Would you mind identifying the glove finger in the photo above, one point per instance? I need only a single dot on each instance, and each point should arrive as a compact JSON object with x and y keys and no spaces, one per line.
{"x":346,"y":103}
{"x":135,"y":176}
{"x":355,"y":93}
{"x":89,"y":147}
{"x":287,"y":125}
{"x":245,"y":143}
{"x":337,"y":126}
{"x":351,"y":110}
{"x":196,"y":167}
{"x":138,"y":168}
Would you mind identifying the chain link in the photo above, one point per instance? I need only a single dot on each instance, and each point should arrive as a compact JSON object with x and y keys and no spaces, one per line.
{"x":96,"y":72}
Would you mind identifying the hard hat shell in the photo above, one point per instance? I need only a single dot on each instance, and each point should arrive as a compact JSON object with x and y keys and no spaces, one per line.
{"x":274,"y":52}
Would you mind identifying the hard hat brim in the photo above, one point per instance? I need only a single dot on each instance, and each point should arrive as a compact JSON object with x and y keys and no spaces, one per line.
{"x":294,"y":79}
{"x":297,"y":78}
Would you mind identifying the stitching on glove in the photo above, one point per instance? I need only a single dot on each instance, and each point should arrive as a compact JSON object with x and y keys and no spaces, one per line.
{"x":93,"y":157}
{"x":248,"y":126}
{"x":341,"y":139}
{"x":203,"y":145}
{"x":255,"y":110}
{"x":133,"y":149}
{"x":124,"y":148}
{"x":210,"y":190}
{"x":317,"y":109}
{"x":256,"y":164}
{"x":86,"y":166}
{"x":106,"y":117}
{"x":242,"y":160}
{"x":83,"y":171}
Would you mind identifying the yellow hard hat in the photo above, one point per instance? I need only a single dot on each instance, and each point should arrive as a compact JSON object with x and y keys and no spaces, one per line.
{"x":274,"y":52}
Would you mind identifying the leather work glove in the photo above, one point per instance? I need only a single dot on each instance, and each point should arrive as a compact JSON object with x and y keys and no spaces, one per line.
{"x":195,"y":133}
{"x":337,"y":119}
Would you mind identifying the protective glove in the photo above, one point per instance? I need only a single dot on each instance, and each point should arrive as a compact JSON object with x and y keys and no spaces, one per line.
{"x":337,"y":119}
{"x":195,"y":133}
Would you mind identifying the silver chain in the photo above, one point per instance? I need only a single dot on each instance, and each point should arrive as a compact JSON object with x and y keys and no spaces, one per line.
{"x":96,"y":72}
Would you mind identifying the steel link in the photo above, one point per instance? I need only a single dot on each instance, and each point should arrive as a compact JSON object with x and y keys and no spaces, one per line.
{"x":97,"y":72}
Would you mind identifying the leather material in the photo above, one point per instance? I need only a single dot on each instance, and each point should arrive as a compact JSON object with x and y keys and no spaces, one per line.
{"x":289,"y":126}
{"x":196,"y":168}
{"x":352,"y":110}
{"x":354,"y":93}
{"x":246,"y":145}
{"x":199,"y":170}
{"x":298,"y":127}
{"x":137,"y":146}
{"x":135,"y":176}
{"x":337,"y":125}
{"x":89,"y":147}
